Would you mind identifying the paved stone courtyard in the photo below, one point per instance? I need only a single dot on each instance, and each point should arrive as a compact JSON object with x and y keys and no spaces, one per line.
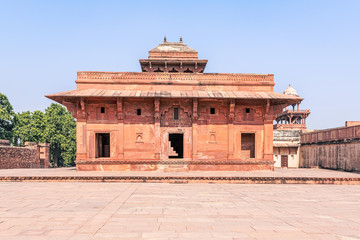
{"x":84,"y":210}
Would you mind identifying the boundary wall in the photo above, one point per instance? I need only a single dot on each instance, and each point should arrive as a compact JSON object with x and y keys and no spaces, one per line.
{"x":33,"y":155}
{"x":336,"y":148}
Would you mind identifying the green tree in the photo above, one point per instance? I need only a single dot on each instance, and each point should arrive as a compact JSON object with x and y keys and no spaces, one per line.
{"x":29,"y":127}
{"x":60,"y":132}
{"x":6,"y":118}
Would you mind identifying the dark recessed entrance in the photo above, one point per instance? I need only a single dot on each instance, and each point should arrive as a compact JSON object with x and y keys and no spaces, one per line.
{"x":248,"y":144}
{"x":176,"y":145}
{"x":102,"y":145}
{"x":284,"y":160}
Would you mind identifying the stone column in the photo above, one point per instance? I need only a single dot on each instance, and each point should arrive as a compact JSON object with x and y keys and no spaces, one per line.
{"x":269,"y":116}
{"x":91,"y":141}
{"x":81,"y":130}
{"x":81,"y":140}
{"x":157,"y":129}
{"x":119,"y":138}
{"x":231,"y":129}
{"x":268,"y":140}
{"x":194,"y":128}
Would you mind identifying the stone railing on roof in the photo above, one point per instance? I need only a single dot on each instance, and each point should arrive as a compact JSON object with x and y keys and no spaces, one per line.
{"x":330,"y":135}
{"x":236,"y":77}
{"x":295,"y":111}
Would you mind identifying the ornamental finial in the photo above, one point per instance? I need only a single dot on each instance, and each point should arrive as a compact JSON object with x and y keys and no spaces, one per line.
{"x":164,"y":38}
{"x":181,"y":39}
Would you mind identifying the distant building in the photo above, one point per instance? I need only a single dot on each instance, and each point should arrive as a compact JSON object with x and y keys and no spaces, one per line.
{"x":289,"y":125}
{"x":173,"y":117}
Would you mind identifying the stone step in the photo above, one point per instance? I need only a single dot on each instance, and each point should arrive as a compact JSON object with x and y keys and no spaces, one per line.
{"x":176,"y":168}
{"x":171,"y":152}
{"x":188,"y":179}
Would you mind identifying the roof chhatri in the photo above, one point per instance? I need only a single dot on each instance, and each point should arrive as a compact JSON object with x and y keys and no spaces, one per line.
{"x":291,"y":91}
{"x":172,"y":47}
{"x":173,"y":57}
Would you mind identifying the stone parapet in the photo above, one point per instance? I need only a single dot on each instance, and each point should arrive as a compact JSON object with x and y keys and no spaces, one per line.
{"x":125,"y":76}
{"x":4,"y":142}
{"x":341,"y":134}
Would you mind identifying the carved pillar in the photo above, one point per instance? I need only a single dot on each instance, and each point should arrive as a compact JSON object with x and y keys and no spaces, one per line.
{"x":81,"y":140}
{"x":194,"y":128}
{"x":268,"y":140}
{"x":231,"y":129}
{"x":92,"y":150}
{"x":157,"y":129}
{"x":119,"y":137}
{"x":81,"y":129}
{"x":268,"y":133}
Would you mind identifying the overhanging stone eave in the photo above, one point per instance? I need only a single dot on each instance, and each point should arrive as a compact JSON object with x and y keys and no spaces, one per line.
{"x":102,"y":93}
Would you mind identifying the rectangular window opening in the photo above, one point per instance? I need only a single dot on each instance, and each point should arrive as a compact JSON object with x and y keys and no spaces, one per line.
{"x":248,"y":145}
{"x":212,"y":110}
{"x":102,"y":142}
{"x":247,"y":110}
{"x":102,"y":110}
{"x":138,"y":111}
{"x":176,"y":113}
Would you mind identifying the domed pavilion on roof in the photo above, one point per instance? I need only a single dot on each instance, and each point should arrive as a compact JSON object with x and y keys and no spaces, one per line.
{"x":289,"y":125}
{"x":172,"y":116}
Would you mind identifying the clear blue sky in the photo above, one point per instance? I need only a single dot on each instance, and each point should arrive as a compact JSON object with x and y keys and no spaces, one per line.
{"x":314,"y":45}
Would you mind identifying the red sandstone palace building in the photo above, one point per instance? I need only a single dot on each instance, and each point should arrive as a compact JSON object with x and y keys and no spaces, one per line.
{"x":172,"y":116}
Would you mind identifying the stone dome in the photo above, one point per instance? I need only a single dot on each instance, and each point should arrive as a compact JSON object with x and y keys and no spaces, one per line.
{"x":291,"y":91}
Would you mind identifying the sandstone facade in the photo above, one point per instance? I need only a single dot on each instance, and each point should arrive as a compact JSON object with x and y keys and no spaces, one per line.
{"x":173,"y":117}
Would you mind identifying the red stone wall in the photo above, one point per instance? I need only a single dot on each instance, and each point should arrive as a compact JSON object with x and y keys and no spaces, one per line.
{"x":337,"y":148}
{"x":18,"y":157}
{"x":340,"y":156}
{"x":33,"y":155}
{"x":144,"y":139}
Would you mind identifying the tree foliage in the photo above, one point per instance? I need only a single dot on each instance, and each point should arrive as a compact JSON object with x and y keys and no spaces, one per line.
{"x":29,"y":127}
{"x":6,"y":118}
{"x":56,"y":126}
{"x":60,"y":132}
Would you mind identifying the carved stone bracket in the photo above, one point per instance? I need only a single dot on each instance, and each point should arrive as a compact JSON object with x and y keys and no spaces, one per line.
{"x":195,"y":115}
{"x":157,"y":109}
{"x":231,"y":110}
{"x":120,"y":105}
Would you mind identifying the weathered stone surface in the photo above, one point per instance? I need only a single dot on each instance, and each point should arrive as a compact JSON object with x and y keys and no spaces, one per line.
{"x":4,"y":142}
{"x":33,"y":155}
{"x":339,"y":156}
{"x":337,"y":148}
{"x":18,"y":157}
{"x":99,"y":211}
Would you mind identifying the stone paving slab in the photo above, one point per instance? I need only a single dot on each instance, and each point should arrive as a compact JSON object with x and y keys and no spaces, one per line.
{"x":99,"y":211}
